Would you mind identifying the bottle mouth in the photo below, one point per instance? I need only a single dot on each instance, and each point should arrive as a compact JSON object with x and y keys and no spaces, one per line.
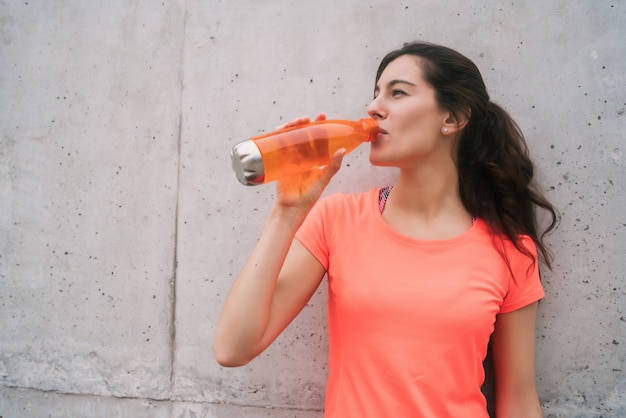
{"x":371,"y":127}
{"x":247,"y":163}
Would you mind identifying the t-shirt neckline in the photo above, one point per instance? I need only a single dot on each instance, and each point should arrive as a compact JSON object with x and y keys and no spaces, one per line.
{"x":385,"y":227}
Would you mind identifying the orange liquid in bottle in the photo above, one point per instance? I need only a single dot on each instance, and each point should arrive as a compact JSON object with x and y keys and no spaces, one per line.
{"x":303,"y":148}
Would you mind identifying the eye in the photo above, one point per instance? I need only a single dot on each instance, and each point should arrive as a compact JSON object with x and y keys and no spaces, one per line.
{"x":398,"y":92}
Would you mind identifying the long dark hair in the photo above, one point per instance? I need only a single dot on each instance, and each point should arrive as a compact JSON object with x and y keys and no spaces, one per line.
{"x":495,"y":170}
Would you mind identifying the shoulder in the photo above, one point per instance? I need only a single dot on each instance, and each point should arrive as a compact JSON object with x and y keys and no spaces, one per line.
{"x":524,"y":249}
{"x":334,"y":215}
{"x":520,"y":257}
{"x":348,"y":201}
{"x":523,"y":246}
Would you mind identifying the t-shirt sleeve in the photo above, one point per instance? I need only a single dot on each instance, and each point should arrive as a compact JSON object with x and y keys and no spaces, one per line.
{"x":312,"y":233}
{"x":525,"y":288}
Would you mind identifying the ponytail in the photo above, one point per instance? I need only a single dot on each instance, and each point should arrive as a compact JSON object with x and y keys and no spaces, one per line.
{"x":496,"y":178}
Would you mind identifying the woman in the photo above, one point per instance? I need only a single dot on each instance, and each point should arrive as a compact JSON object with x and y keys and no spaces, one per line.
{"x":422,"y":275}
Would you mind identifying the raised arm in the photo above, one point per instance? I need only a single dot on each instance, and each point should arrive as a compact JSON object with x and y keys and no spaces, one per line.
{"x":279,"y":277}
{"x":274,"y":285}
{"x":513,"y":349}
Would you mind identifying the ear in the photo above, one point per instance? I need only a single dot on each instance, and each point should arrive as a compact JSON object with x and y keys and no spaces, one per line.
{"x":454,"y":123}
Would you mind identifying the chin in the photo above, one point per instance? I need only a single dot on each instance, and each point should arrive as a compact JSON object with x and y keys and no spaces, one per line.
{"x":377,"y":157}
{"x":379,"y":162}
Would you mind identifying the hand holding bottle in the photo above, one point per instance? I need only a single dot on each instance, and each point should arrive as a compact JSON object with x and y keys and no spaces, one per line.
{"x":303,"y":189}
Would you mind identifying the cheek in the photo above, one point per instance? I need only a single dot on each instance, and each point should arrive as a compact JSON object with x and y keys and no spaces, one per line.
{"x":417,"y":115}
{"x":419,"y":136}
{"x":426,"y":123}
{"x":418,"y":127}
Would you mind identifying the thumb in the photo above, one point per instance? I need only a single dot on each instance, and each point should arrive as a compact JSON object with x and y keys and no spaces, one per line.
{"x":334,"y":165}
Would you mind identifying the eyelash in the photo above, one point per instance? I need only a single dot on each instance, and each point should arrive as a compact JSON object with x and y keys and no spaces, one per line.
{"x":394,"y":93}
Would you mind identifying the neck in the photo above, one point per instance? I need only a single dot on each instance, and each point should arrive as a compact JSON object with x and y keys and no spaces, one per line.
{"x":429,"y":192}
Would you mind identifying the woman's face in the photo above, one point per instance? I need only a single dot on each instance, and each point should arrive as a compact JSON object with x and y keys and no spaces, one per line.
{"x":408,"y":115}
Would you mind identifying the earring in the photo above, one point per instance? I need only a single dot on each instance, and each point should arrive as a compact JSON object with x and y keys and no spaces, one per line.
{"x":445,"y":130}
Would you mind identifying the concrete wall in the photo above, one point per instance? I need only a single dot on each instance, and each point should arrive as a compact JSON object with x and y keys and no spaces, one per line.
{"x":122,"y":226}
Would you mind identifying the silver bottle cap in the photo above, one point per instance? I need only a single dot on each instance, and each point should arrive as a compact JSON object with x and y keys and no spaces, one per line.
{"x":248,"y":163}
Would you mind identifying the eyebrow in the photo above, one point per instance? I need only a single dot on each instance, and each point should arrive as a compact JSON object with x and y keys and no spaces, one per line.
{"x":393,"y":83}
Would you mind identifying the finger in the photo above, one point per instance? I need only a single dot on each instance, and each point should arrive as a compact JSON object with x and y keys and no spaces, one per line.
{"x":302,"y":120}
{"x":337,"y":158}
{"x":321,"y":116}
{"x":334,"y":165}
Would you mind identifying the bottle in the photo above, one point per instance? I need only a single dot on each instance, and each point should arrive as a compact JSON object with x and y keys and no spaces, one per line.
{"x":285,"y":152}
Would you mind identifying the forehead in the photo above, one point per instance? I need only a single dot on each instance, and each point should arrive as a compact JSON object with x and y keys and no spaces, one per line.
{"x":405,"y":67}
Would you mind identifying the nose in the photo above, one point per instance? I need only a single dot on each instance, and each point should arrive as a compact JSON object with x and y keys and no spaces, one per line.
{"x":375,"y":109}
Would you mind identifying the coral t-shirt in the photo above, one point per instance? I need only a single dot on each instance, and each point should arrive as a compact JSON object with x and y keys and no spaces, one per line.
{"x":410,"y":320}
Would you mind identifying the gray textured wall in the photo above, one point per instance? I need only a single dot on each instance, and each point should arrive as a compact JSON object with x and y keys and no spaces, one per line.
{"x":122,"y":225}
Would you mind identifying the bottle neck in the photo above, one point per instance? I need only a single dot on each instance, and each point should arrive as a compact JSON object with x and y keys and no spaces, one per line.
{"x":370,"y":126}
